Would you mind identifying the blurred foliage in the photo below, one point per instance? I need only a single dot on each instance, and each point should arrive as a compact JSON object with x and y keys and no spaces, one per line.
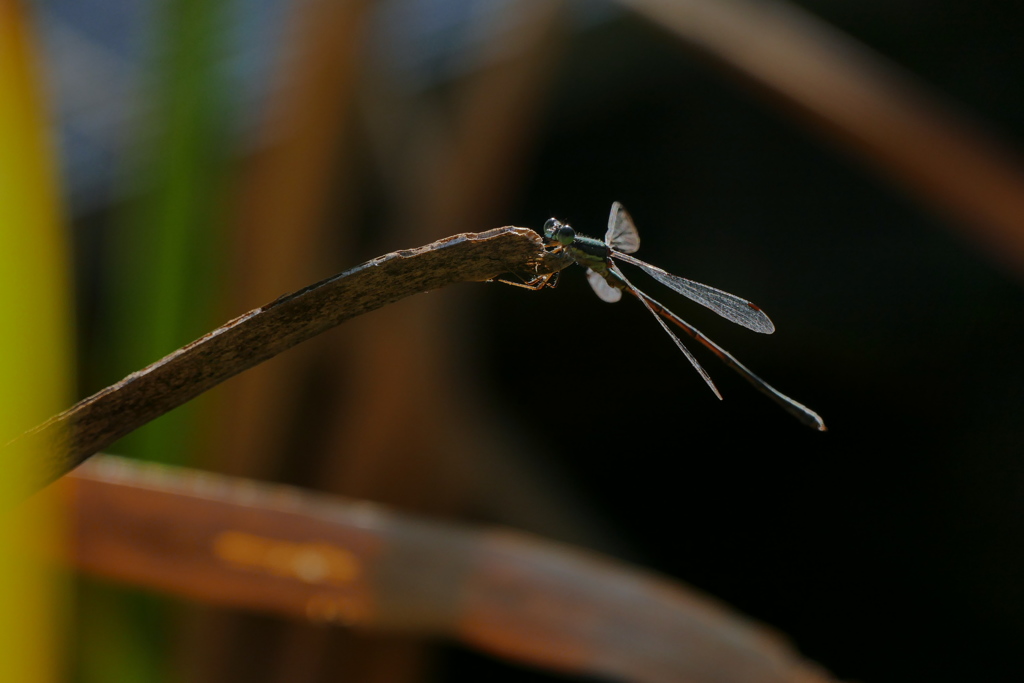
{"x":35,"y":352}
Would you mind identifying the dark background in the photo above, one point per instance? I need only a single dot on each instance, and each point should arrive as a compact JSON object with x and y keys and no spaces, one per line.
{"x":888,"y":548}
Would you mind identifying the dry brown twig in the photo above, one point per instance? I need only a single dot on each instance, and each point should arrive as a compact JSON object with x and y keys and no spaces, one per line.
{"x":101,"y":419}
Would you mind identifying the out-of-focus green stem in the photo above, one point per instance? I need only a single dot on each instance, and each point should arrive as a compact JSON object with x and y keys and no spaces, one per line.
{"x":165,"y":275}
{"x":163,"y":286}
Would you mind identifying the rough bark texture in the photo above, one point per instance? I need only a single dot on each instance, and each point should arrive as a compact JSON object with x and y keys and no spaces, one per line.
{"x":97,"y":421}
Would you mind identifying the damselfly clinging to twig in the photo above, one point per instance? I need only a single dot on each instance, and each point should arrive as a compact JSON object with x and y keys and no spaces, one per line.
{"x":608,"y":282}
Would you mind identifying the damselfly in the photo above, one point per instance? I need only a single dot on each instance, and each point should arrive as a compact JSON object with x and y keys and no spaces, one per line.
{"x":608,"y":282}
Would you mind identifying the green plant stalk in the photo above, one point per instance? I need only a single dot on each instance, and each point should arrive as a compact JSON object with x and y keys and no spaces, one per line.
{"x":164,"y":282}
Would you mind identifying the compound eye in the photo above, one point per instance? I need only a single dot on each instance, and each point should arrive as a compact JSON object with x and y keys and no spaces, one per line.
{"x":565,"y":235}
{"x":550,"y":225}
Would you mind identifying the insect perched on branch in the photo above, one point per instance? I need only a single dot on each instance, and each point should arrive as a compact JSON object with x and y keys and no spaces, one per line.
{"x":608,"y":282}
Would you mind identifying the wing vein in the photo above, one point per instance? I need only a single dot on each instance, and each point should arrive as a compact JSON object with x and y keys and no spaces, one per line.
{"x":729,"y":306}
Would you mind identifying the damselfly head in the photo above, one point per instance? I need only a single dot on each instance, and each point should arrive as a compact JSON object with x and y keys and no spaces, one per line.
{"x":559,"y":232}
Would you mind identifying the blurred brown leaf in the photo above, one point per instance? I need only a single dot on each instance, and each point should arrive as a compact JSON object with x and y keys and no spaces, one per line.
{"x":323,"y":558}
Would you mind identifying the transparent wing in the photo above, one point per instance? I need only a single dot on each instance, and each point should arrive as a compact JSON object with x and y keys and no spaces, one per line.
{"x":621,"y":235}
{"x":729,"y":306}
{"x":797,"y":410}
{"x":603,"y":290}
{"x":679,"y":342}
